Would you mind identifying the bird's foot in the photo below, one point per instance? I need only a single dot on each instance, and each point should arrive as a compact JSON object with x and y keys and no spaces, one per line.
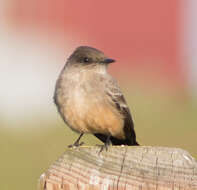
{"x":105,"y":146}
{"x":75,"y":145}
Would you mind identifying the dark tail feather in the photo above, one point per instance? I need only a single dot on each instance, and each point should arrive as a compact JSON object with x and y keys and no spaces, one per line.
{"x":115,"y":141}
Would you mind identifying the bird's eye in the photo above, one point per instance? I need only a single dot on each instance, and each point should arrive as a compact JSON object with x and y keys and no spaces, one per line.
{"x":86,"y":60}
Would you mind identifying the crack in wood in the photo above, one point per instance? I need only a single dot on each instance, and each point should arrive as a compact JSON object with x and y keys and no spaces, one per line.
{"x":125,"y":167}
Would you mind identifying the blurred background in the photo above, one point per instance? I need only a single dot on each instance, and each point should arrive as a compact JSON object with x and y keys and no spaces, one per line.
{"x":154,"y":43}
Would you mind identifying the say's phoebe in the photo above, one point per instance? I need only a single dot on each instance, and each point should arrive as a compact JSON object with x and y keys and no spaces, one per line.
{"x":90,"y":101}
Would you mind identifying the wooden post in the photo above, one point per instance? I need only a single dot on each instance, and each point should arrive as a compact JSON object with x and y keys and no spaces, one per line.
{"x":122,"y":168}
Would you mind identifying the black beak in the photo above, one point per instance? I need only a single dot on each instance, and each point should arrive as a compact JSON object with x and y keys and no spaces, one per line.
{"x":107,"y":61}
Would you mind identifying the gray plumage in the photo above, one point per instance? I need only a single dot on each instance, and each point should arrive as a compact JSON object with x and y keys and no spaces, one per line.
{"x":90,"y":101}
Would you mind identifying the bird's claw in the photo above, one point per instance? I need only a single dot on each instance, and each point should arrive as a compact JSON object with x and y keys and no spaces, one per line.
{"x":75,"y":145}
{"x":105,"y":146}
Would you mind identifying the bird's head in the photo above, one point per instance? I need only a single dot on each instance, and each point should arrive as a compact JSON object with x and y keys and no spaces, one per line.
{"x":85,"y":55}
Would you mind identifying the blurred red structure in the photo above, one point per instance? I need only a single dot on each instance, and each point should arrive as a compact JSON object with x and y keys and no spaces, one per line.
{"x":143,"y":35}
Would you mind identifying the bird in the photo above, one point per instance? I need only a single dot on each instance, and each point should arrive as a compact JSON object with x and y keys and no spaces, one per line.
{"x":89,"y":99}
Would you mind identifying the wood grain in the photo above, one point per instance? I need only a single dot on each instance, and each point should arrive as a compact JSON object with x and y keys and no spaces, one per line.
{"x":122,"y":168}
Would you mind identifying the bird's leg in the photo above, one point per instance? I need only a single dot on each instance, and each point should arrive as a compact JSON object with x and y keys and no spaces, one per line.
{"x":76,"y":143}
{"x":106,"y":145}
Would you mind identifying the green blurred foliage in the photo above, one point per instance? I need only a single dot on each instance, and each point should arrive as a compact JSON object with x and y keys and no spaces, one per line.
{"x":160,"y":120}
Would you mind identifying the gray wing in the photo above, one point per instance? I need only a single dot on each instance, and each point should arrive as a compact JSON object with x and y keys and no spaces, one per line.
{"x":116,"y":97}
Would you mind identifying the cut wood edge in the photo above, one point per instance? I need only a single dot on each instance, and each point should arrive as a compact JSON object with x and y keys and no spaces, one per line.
{"x":54,"y":178}
{"x":42,"y":182}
